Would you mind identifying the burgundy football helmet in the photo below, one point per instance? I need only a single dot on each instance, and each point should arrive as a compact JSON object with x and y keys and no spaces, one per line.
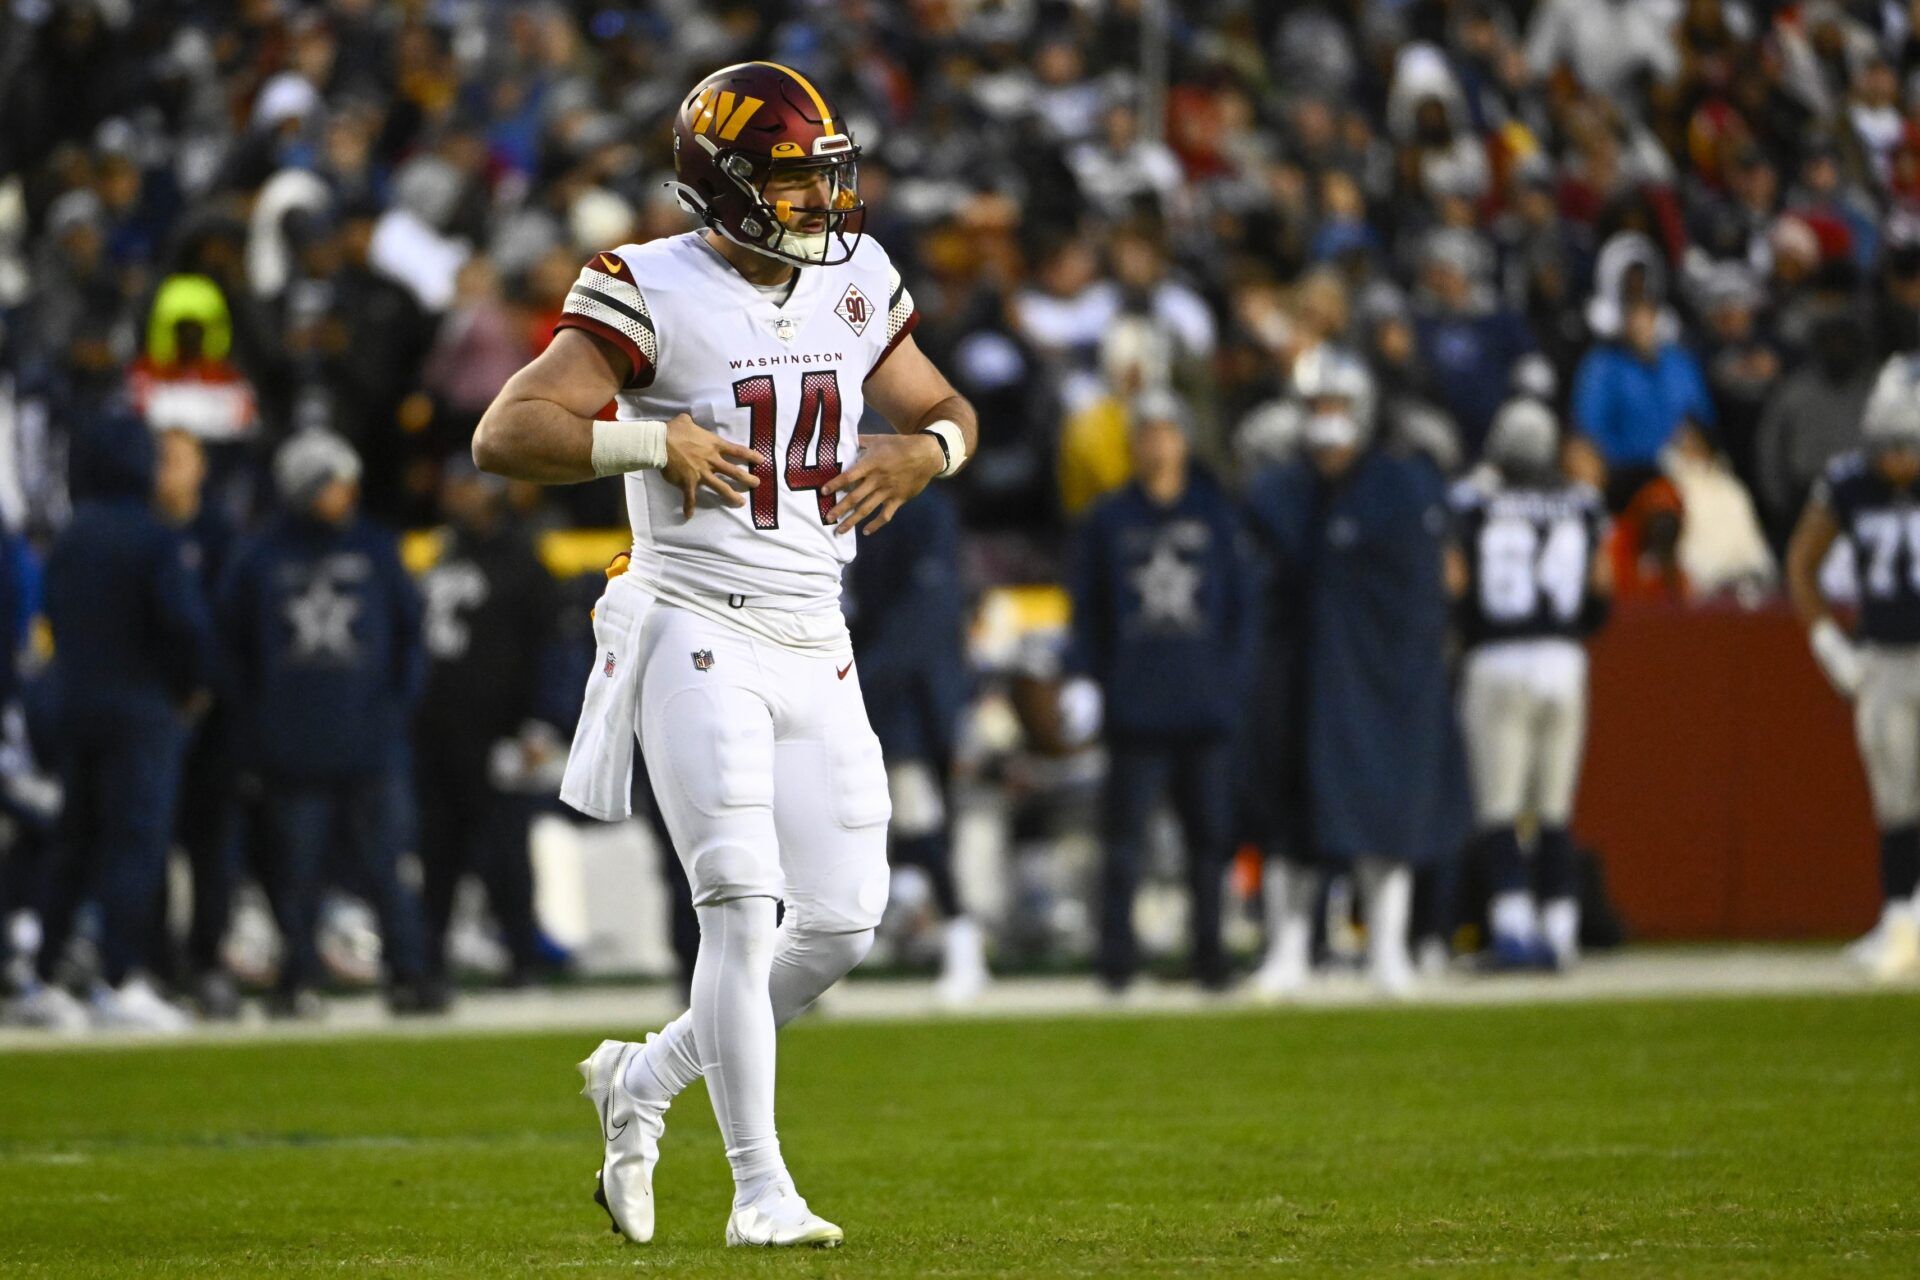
{"x":740,"y":125}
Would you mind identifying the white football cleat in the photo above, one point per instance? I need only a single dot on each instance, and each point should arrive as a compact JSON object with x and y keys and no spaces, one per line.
{"x":780,"y":1219}
{"x":631,"y":1130}
{"x":135,"y":1006}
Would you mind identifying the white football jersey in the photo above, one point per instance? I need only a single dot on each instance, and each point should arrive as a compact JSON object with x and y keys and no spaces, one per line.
{"x":782,"y":378}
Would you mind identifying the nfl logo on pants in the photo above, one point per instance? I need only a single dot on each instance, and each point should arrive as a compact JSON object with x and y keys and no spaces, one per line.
{"x":703,"y":659}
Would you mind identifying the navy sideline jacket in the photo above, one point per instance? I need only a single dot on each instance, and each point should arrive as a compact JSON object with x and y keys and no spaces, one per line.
{"x":131,"y":632}
{"x":1360,"y":560}
{"x":1161,"y":610}
{"x":324,"y":656}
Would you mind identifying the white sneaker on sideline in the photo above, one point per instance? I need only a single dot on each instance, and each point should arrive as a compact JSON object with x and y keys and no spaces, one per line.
{"x":1392,"y":973}
{"x":781,"y":1219}
{"x":135,"y":1006}
{"x":631,"y":1130}
{"x":1280,"y":976}
{"x":963,"y":964}
{"x":47,"y":1008}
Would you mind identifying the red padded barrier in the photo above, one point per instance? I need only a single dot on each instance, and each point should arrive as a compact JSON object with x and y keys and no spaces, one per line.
{"x":1722,"y":787}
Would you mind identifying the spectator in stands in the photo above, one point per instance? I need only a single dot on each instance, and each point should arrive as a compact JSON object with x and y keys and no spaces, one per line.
{"x":1633,"y":396}
{"x":481,"y":751}
{"x":321,"y":628}
{"x":1160,"y":623}
{"x":1742,"y":365}
{"x":1814,"y":415}
{"x":361,"y":337}
{"x":1094,"y":455}
{"x":1468,"y":339}
{"x":130,"y":622}
{"x":185,"y":378}
{"x":1897,"y":301}
{"x":479,"y":345}
{"x":1122,"y":174}
{"x":1607,"y":46}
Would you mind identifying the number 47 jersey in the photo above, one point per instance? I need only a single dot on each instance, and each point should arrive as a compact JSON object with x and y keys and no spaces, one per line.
{"x":780,"y":372}
{"x":1528,"y":552}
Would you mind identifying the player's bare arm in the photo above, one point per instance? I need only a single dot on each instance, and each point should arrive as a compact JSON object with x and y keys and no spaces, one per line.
{"x":1836,"y":653}
{"x":541,"y":427}
{"x":911,"y":394}
{"x":1812,"y":538}
{"x":1454,"y":571}
{"x":1600,"y":572}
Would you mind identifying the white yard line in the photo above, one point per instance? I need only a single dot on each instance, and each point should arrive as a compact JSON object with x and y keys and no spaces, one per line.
{"x":1644,"y":973}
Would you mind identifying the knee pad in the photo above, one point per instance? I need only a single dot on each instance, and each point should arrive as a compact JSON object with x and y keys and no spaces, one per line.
{"x":723,"y":870}
{"x":850,"y":899}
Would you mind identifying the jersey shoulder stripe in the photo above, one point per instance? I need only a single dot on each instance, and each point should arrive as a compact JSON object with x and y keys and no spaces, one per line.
{"x":607,"y":302}
{"x":902,"y":317}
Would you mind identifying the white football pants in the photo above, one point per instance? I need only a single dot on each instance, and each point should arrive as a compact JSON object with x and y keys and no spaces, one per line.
{"x":771,"y":784}
{"x":1886,"y":720}
{"x":1523,"y":710}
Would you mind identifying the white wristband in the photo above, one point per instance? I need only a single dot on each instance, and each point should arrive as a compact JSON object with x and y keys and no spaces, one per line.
{"x":953,"y":443}
{"x":620,"y":447}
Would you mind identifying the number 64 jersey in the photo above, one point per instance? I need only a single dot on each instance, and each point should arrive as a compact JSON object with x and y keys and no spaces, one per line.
{"x":780,"y":372}
{"x":1528,"y":551}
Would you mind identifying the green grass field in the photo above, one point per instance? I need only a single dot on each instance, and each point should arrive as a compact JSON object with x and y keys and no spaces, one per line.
{"x":1756,"y":1137}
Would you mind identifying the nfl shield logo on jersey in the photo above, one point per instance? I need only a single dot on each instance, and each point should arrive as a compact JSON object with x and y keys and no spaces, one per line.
{"x":703,"y":659}
{"x":855,"y":310}
{"x":608,"y":669}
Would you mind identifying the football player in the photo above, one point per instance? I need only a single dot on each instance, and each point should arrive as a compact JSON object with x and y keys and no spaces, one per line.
{"x":740,"y":357}
{"x":1533,"y":581}
{"x":1871,"y":498}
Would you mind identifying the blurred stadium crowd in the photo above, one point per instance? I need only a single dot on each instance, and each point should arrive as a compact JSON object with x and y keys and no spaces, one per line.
{"x":263,"y":264}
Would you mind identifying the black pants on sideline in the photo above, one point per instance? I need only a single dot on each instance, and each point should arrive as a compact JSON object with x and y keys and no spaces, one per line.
{"x":360,"y":819}
{"x":1196,"y":775}
{"x":121,"y":779}
{"x":468,"y":828}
